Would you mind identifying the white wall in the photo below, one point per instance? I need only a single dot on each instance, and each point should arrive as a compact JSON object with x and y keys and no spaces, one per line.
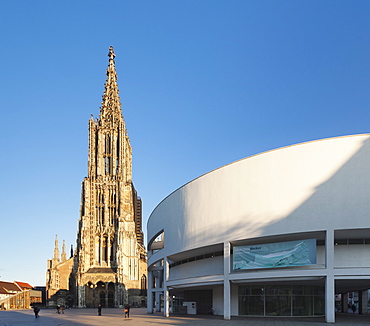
{"x":352,"y":256}
{"x":320,"y":255}
{"x":197,"y":268}
{"x":313,"y":186}
{"x":218,"y":300}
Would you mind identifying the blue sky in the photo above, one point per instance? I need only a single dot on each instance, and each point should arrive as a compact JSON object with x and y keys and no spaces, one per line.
{"x":202,"y":84}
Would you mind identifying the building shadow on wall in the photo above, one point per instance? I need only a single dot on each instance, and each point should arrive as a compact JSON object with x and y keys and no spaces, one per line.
{"x":344,"y":197}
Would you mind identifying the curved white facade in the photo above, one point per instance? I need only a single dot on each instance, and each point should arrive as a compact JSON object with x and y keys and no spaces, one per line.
{"x":318,"y":190}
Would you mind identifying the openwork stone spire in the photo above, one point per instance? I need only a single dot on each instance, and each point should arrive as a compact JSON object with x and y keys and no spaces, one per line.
{"x":110,"y":153}
{"x":110,"y":111}
{"x":56,"y":248}
{"x":64,"y":255}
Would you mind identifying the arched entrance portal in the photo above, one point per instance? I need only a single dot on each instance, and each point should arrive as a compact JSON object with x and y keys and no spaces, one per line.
{"x":111,"y":295}
{"x":102,"y":293}
{"x":106,"y":294}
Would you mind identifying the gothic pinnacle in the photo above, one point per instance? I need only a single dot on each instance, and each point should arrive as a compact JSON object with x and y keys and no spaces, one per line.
{"x":56,"y":248}
{"x":111,"y":54}
{"x":110,"y":109}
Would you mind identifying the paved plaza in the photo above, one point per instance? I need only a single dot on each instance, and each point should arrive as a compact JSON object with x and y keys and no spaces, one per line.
{"x":139,"y":317}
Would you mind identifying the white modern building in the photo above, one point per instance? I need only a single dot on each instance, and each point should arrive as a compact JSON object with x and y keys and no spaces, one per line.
{"x":276,"y":234}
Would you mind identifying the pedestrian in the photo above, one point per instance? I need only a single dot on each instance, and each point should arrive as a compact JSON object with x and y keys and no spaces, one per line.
{"x":353,"y":308}
{"x":99,"y":310}
{"x":58,"y":309}
{"x":36,"y":310}
{"x":127,"y":310}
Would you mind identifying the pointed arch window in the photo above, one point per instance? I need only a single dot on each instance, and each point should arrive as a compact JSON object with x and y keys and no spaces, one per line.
{"x":108,"y":155}
{"x":117,"y":154}
{"x":105,"y":249}
{"x":102,"y":210}
{"x":107,"y":144}
{"x":107,"y":165}
{"x":143,"y":286}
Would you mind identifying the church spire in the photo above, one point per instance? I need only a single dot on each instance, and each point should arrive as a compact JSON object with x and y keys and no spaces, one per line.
{"x":110,"y":110}
{"x":56,"y":248}
{"x":64,"y":255}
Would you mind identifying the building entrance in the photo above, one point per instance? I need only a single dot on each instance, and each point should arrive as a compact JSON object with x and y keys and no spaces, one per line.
{"x":281,"y":300}
{"x":100,"y":293}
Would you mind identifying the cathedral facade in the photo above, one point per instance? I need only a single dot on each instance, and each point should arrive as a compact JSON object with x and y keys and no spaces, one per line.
{"x":109,"y":263}
{"x":59,"y":277}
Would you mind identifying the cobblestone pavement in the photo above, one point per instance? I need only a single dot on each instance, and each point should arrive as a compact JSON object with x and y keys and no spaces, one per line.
{"x":139,"y":317}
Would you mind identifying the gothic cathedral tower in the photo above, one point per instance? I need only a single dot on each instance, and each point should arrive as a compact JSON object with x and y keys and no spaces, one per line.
{"x":110,"y":258}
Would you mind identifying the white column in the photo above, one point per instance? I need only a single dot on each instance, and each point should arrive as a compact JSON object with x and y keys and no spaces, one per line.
{"x":166,"y":298}
{"x":149,"y":299}
{"x":329,"y":299}
{"x":330,"y":282}
{"x":227,"y":314}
